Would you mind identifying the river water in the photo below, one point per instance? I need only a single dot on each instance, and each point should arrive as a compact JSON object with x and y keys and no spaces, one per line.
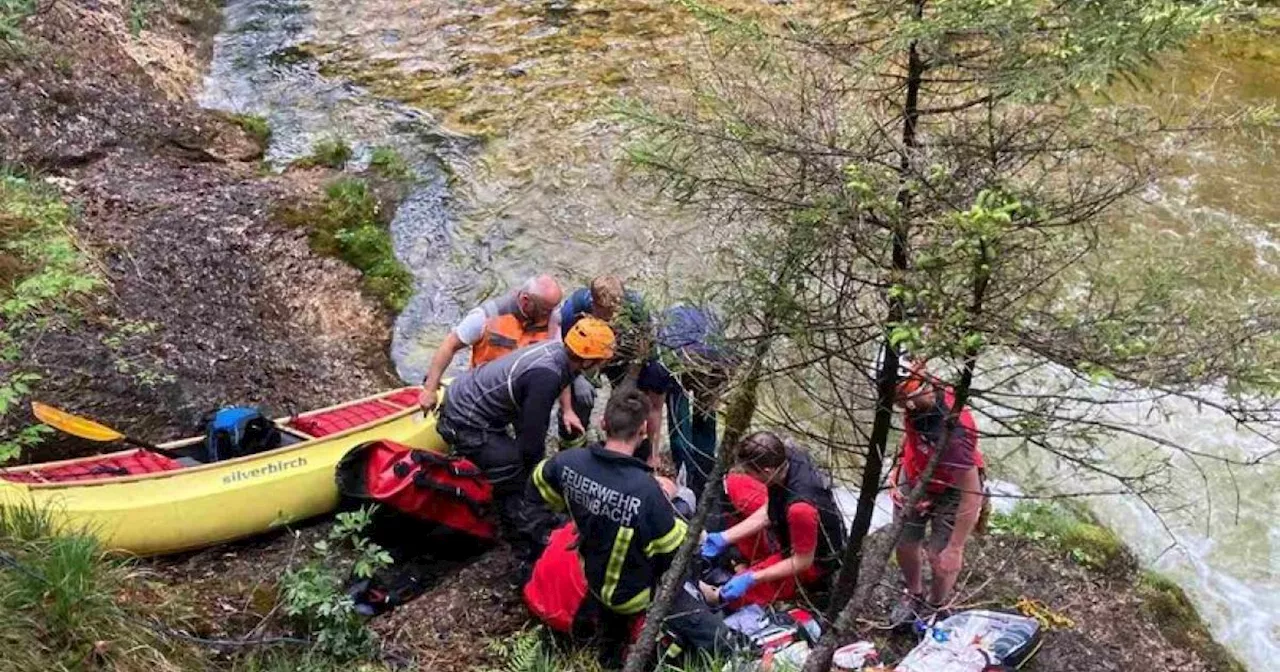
{"x":503,"y":110}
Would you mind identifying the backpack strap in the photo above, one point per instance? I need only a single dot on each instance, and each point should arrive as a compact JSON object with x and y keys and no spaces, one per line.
{"x":431,"y":458}
{"x":421,"y":480}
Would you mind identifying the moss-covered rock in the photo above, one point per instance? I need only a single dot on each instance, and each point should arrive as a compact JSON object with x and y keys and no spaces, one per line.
{"x":1172,"y":611}
{"x":1072,"y":530}
{"x":350,"y":223}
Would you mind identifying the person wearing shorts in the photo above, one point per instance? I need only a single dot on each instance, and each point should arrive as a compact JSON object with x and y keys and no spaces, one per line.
{"x":940,"y":524}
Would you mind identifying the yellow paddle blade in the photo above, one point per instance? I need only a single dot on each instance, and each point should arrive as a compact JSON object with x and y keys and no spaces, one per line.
{"x":74,"y":424}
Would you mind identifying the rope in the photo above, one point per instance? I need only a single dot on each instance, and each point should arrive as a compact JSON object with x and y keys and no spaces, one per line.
{"x":1048,"y":618}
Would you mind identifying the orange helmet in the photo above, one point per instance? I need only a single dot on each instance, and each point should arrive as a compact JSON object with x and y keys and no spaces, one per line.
{"x":909,"y":387}
{"x":912,"y":382}
{"x":590,"y":338}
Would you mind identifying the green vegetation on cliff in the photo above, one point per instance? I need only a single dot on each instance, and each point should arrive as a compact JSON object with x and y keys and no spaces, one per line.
{"x":41,"y":270}
{"x":349,"y":223}
{"x":1071,"y":531}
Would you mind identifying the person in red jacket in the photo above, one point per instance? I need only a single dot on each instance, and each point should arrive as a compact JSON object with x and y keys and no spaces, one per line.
{"x":953,"y":497}
{"x":790,"y":503}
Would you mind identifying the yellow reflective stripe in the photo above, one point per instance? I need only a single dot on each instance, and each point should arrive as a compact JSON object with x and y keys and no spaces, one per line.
{"x":668,"y":542}
{"x":552,"y":497}
{"x":634,"y":605}
{"x":613,"y":571}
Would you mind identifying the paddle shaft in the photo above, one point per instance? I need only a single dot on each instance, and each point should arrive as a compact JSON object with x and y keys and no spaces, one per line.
{"x":147,"y":445}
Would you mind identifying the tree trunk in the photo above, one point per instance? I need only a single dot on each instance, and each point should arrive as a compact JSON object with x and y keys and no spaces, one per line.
{"x":738,"y":414}
{"x":838,"y":618}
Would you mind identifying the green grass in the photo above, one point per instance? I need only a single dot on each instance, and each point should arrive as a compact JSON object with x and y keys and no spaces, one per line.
{"x":348,"y":225}
{"x":533,"y":650}
{"x":41,"y":270}
{"x":61,"y":606}
{"x":255,"y":125}
{"x":285,"y":660}
{"x":387,"y":162}
{"x":1073,"y":532}
{"x":329,"y":152}
{"x":12,"y":14}
{"x":1166,"y":603}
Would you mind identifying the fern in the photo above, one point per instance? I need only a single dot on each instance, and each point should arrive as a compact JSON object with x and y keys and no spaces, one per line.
{"x":527,"y":652}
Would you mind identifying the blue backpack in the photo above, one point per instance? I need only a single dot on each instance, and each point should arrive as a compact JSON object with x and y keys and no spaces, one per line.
{"x":237,"y":431}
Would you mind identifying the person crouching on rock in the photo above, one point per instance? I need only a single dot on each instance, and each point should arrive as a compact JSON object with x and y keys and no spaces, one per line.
{"x":800,"y":511}
{"x":497,"y":415}
{"x":952,"y":501}
{"x":625,"y":532}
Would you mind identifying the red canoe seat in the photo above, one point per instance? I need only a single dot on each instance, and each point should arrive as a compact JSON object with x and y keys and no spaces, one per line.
{"x":342,"y":419}
{"x":107,"y":466}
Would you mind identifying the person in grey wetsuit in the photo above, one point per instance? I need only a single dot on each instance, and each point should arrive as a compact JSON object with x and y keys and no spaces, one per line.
{"x":497,"y":415}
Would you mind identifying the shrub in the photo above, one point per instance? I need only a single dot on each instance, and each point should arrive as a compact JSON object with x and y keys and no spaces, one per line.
{"x":331,"y":152}
{"x":255,"y":125}
{"x":387,"y":162}
{"x":41,"y":269}
{"x":347,"y":225}
{"x":313,"y":594}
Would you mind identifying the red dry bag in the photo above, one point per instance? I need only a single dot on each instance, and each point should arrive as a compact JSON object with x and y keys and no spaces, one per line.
{"x":428,"y":486}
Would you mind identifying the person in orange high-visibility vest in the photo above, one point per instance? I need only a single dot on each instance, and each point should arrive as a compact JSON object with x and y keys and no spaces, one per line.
{"x":494,"y":329}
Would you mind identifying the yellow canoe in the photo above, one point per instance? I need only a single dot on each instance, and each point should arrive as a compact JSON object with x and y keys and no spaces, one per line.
{"x":183,"y":504}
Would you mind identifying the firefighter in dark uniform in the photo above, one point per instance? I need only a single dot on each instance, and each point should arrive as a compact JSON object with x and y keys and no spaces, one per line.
{"x":801,"y":513}
{"x":628,"y":530}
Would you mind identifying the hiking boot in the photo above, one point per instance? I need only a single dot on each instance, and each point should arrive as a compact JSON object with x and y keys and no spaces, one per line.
{"x":936,"y":613}
{"x":907,"y":610}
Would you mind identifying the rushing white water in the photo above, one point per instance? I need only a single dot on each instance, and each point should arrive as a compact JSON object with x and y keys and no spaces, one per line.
{"x":1212,"y":526}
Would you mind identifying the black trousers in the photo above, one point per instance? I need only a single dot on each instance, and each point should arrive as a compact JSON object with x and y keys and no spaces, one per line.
{"x":694,"y":627}
{"x":497,"y":455}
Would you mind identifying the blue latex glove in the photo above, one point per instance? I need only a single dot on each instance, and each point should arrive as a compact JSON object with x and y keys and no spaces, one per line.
{"x":714,"y":545}
{"x":737,"y":586}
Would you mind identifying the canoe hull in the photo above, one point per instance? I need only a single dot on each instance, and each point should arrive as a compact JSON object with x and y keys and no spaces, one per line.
{"x":210,"y":504}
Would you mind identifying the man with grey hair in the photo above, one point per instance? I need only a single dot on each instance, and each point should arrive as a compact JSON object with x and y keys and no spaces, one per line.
{"x":495,"y":328}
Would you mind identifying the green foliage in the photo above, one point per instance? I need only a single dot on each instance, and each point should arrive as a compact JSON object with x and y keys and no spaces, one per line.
{"x":313,"y":594}
{"x":60,"y":604}
{"x":292,"y":661}
{"x":1083,"y":540}
{"x":24,"y":523}
{"x":1166,"y":603}
{"x":330,"y":152}
{"x":387,"y":162}
{"x":532,"y":650}
{"x":41,"y":269}
{"x":255,"y":125}
{"x":140,"y":15}
{"x":146,"y":369}
{"x":12,"y":14}
{"x":348,"y":225}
